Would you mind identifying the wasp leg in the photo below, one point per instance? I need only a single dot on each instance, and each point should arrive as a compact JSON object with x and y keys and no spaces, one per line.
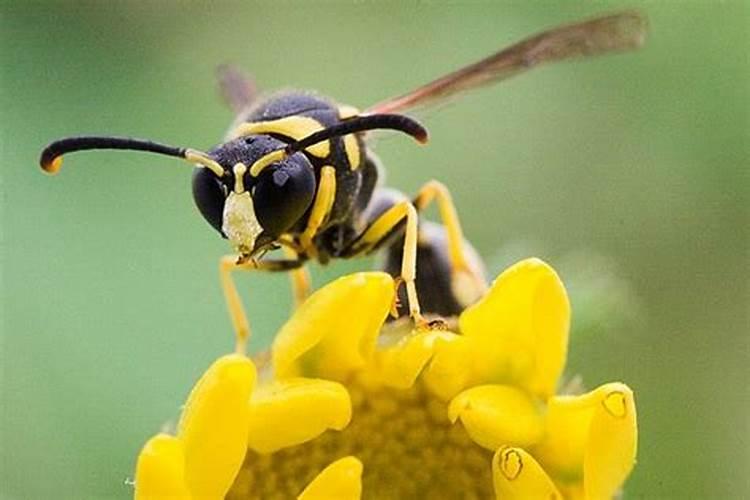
{"x":464,"y":275}
{"x":380,"y":230}
{"x":227,"y":264}
{"x":425,"y":196}
{"x":439,"y":292}
{"x":299,"y":277}
{"x":321,"y":209}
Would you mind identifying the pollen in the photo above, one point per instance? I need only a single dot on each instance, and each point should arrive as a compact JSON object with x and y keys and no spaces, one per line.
{"x":409,"y":448}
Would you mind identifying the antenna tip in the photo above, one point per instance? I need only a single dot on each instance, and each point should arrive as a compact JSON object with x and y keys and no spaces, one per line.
{"x":51,"y":165}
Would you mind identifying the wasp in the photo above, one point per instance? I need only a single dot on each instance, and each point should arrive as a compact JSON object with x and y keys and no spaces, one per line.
{"x":295,"y":172}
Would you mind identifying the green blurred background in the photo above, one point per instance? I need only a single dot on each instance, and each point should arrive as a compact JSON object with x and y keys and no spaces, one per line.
{"x":628,"y":173}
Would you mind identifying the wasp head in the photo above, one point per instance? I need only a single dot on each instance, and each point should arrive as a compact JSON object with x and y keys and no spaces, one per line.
{"x":252,"y":189}
{"x":253,"y":211}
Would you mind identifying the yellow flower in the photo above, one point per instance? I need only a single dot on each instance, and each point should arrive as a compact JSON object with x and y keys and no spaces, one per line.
{"x":349,"y":407}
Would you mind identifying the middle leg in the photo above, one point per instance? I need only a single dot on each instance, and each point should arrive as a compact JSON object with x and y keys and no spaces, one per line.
{"x":299,"y":278}
{"x":381,"y":230}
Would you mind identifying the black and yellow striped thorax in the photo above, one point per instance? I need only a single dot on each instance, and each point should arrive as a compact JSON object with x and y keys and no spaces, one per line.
{"x":296,"y":115}
{"x":292,"y":116}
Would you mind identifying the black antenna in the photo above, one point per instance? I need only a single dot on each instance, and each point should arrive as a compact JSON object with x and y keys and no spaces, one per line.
{"x":51,"y":158}
{"x":361,"y":124}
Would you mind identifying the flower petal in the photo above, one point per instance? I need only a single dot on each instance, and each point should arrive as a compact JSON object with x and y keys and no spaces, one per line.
{"x":442,"y":358}
{"x":293,"y":411}
{"x":497,"y":415}
{"x":612,"y":446}
{"x":335,"y":330}
{"x":450,"y":367}
{"x":521,"y":328}
{"x":591,"y":438}
{"x":517,"y":475}
{"x":213,"y":427}
{"x":160,"y":471}
{"x":342,"y":480}
{"x":400,"y":365}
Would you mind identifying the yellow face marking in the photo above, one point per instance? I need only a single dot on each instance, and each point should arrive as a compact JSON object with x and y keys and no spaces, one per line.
{"x":239,"y":222}
{"x":266,"y":160}
{"x":239,"y":182}
{"x":294,"y":127}
{"x":203,"y":160}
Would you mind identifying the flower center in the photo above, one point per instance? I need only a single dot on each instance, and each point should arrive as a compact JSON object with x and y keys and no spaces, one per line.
{"x":405,"y":441}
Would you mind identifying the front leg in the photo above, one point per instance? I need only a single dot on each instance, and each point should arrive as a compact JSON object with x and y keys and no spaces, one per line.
{"x":298,"y":277}
{"x":229,"y":263}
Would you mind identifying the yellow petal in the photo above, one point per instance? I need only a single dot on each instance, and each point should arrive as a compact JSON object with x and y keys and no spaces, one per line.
{"x":335,"y":330}
{"x":591,"y":438}
{"x":451,"y":366}
{"x":342,"y":480}
{"x":213,"y":427}
{"x":293,"y":411}
{"x":443,"y":359}
{"x":517,"y":475}
{"x":400,"y":365}
{"x":497,"y":415}
{"x":160,"y":471}
{"x":521,"y":328}
{"x":612,"y":445}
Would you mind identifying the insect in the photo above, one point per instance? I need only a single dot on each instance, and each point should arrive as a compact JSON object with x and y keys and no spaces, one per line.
{"x":295,"y":172}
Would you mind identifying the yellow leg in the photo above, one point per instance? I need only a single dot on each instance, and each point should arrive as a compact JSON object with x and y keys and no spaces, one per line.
{"x":427,"y":194}
{"x":321,"y":208}
{"x":379,"y":230}
{"x":227,"y":264}
{"x":299,"y":278}
{"x":234,"y":304}
{"x":462,"y":271}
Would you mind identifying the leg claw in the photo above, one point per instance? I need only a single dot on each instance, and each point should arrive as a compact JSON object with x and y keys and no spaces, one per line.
{"x":422,"y":324}
{"x":396,"y":302}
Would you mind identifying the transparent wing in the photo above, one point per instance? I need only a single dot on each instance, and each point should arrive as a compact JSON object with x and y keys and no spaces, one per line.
{"x":612,"y":33}
{"x":237,"y":89}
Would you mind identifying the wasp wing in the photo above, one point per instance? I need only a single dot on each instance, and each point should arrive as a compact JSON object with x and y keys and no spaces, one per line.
{"x":237,"y":89}
{"x":612,"y":33}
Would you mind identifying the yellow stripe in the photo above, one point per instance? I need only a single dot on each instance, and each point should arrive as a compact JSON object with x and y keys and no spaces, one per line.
{"x":294,"y":127}
{"x":265,"y":160}
{"x":350,"y":141}
{"x":321,"y":207}
{"x":351,"y":146}
{"x":383,"y":225}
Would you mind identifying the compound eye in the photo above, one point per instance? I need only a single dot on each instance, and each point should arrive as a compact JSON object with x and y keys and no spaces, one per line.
{"x":209,"y":194}
{"x":283,"y":194}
